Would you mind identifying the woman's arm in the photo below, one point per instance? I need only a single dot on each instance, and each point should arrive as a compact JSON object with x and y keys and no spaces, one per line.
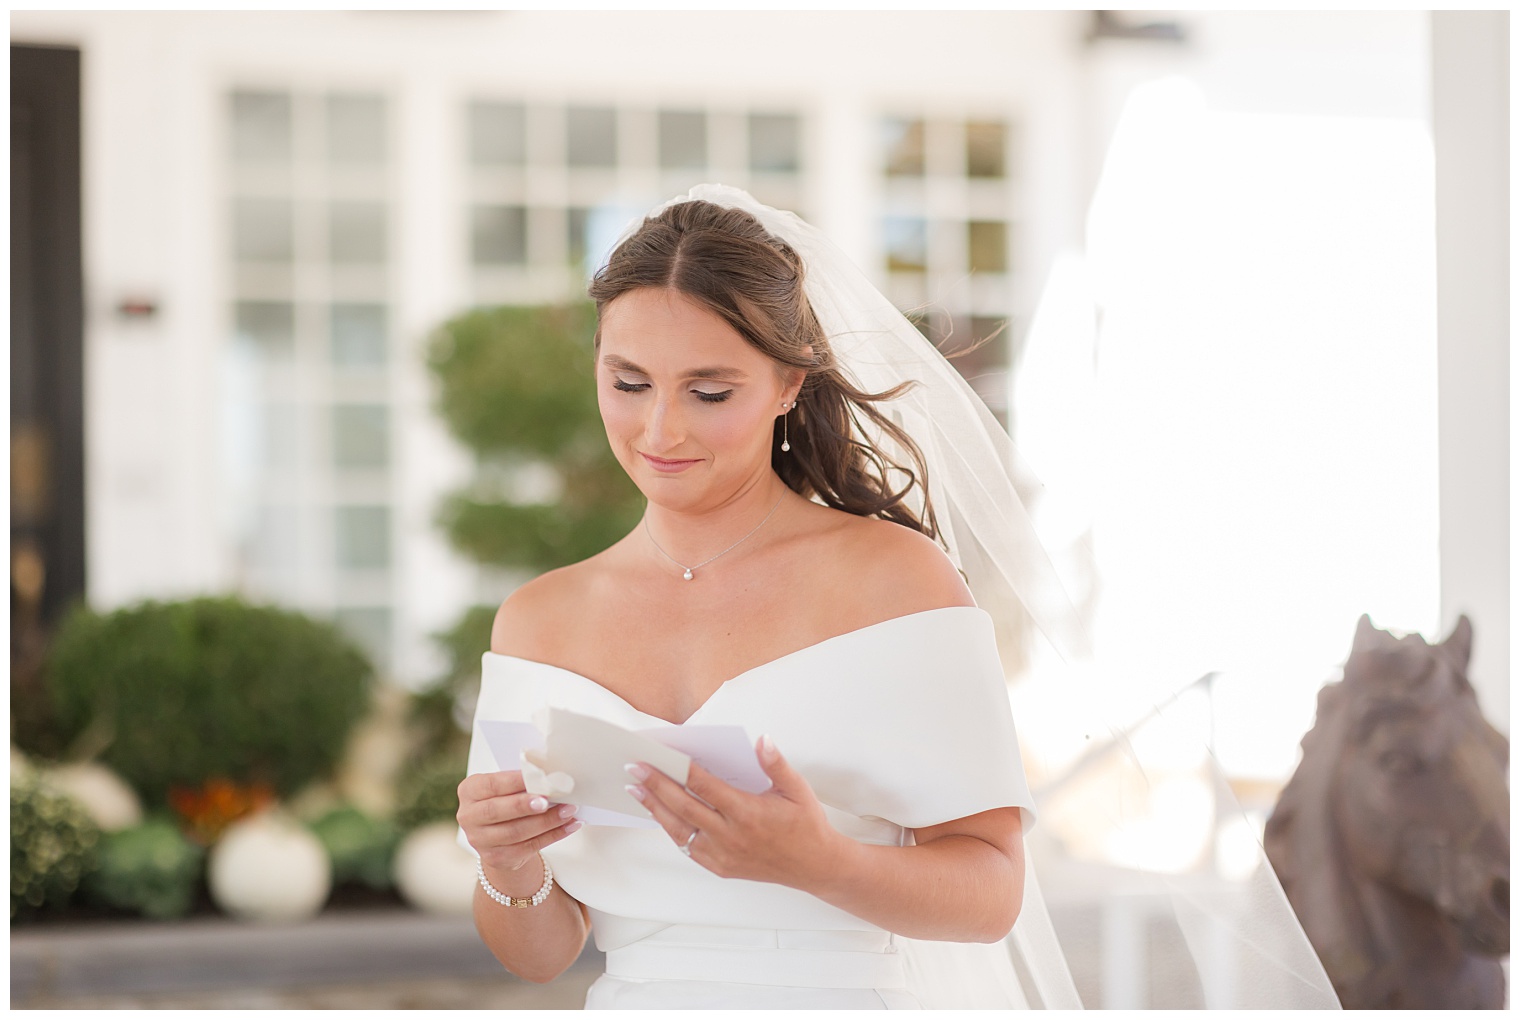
{"x":535,"y":943}
{"x":964,"y":882}
{"x":507,"y":826}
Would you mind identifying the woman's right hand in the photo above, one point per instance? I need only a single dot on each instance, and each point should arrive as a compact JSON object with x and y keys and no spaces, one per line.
{"x":507,"y":825}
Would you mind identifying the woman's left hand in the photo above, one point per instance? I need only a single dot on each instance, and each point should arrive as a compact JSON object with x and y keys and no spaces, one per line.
{"x":779,"y":836}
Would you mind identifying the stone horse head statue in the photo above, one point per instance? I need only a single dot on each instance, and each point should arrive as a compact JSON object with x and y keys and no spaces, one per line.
{"x":1392,"y":837}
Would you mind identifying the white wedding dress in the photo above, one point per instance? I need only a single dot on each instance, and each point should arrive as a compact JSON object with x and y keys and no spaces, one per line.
{"x":899,"y":725}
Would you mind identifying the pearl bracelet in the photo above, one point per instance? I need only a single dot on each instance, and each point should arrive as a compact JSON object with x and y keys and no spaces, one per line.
{"x":517,"y":901}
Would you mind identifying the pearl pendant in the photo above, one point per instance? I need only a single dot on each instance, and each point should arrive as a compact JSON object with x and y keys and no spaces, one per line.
{"x":785,"y":447}
{"x":687,"y":575}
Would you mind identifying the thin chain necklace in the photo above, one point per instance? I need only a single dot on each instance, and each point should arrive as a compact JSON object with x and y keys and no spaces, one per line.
{"x":690,"y":571}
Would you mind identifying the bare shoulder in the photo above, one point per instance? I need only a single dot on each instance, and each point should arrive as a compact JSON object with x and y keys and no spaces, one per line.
{"x":529,"y":618}
{"x":905,"y":569}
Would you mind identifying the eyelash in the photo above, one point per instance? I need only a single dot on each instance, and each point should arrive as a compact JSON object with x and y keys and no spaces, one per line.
{"x":706,"y":398}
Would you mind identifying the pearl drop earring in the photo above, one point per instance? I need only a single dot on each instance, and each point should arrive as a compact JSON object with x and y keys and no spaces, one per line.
{"x":785,"y":443}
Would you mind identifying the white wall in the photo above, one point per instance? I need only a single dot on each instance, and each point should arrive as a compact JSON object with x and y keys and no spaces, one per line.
{"x":1470,"y":72}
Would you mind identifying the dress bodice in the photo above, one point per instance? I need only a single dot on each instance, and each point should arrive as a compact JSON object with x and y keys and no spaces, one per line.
{"x":898,"y":725}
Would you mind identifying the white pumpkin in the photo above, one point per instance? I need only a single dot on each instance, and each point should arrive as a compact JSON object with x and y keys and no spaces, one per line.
{"x":105,"y":796}
{"x":267,"y":867}
{"x":433,"y":872}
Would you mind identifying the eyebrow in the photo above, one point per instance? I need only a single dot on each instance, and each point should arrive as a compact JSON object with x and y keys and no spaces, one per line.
{"x":624,"y":365}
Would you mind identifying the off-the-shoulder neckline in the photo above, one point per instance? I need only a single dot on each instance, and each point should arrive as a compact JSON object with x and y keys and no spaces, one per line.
{"x":805,"y":649}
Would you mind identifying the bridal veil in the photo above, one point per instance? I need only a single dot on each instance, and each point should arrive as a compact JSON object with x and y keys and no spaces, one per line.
{"x":1233,"y":938}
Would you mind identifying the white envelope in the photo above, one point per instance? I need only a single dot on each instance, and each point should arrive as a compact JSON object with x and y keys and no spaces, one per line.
{"x":725,"y":751}
{"x":581,"y":760}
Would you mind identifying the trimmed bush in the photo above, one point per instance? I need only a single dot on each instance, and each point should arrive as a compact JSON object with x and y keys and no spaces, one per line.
{"x":517,"y":385}
{"x":440,"y":715}
{"x":360,"y":847}
{"x":53,"y":846}
{"x":151,"y":869}
{"x":183,"y":692}
{"x":430,"y":792}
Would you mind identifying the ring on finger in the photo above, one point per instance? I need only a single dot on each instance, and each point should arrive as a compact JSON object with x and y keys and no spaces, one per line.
{"x":686,"y":846}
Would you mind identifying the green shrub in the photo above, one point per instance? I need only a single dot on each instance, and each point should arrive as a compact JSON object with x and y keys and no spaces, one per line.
{"x":434,"y":716}
{"x":518,"y":386}
{"x":151,"y":869}
{"x":359,"y":846}
{"x":53,"y":846}
{"x":520,"y":378}
{"x":181,"y":692}
{"x":430,"y":792}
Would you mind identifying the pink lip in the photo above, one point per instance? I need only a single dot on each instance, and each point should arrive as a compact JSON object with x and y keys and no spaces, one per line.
{"x":668,"y":466}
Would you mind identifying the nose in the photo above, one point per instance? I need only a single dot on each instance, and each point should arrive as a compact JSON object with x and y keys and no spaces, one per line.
{"x":665,"y":427}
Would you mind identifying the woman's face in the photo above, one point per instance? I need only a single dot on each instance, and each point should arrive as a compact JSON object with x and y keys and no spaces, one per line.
{"x":689,"y":406}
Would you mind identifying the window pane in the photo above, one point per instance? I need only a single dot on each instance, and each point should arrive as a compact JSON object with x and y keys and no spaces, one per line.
{"x":986,"y":149}
{"x":775,"y":142}
{"x":987,"y":246}
{"x":355,"y":129}
{"x":498,"y":134}
{"x":994,"y":339}
{"x":369,"y":627}
{"x":260,"y":127}
{"x":357,"y":233}
{"x":499,"y":235}
{"x":985,"y":362}
{"x":262,"y":230}
{"x":902,"y":146}
{"x":362,"y":537}
{"x":907,"y":243}
{"x":275,"y":537}
{"x":577,"y":223}
{"x":979,"y":345}
{"x":282,"y":436}
{"x":267,"y":326}
{"x":591,"y":137}
{"x":683,"y":140}
{"x":358,"y":335}
{"x":361,"y":438}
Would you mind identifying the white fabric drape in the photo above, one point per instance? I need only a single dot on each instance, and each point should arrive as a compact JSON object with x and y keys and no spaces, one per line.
{"x":1240,"y":943}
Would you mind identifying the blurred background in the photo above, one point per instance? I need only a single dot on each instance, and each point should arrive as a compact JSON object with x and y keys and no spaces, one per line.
{"x":1236,"y":282}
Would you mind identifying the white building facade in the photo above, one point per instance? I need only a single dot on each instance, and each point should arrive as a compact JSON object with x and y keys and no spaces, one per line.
{"x":303,"y":197}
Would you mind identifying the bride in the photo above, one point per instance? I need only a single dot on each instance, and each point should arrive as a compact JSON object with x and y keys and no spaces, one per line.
{"x":821,"y":487}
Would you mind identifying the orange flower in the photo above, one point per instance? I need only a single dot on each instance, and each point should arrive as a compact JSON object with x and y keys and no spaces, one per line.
{"x":207,"y":811}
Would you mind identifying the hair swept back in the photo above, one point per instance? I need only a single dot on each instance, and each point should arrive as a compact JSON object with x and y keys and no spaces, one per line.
{"x":725,"y":260}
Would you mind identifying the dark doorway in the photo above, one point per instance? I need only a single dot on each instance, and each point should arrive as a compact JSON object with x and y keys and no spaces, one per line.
{"x":47,"y":355}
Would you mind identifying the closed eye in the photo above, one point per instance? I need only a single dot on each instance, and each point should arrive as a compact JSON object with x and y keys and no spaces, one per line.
{"x":705,"y":396}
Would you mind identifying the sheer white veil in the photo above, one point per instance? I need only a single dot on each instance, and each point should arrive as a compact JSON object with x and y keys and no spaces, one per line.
{"x":975,"y":480}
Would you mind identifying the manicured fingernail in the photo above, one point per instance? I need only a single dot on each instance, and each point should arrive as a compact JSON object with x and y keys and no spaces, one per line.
{"x":574,"y":826}
{"x":538,"y":804}
{"x":636,"y":770}
{"x":567,"y":810}
{"x":636,"y":792}
{"x":767,"y":745}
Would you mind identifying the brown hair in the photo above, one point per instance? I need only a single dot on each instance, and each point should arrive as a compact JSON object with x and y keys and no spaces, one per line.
{"x":725,"y":260}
